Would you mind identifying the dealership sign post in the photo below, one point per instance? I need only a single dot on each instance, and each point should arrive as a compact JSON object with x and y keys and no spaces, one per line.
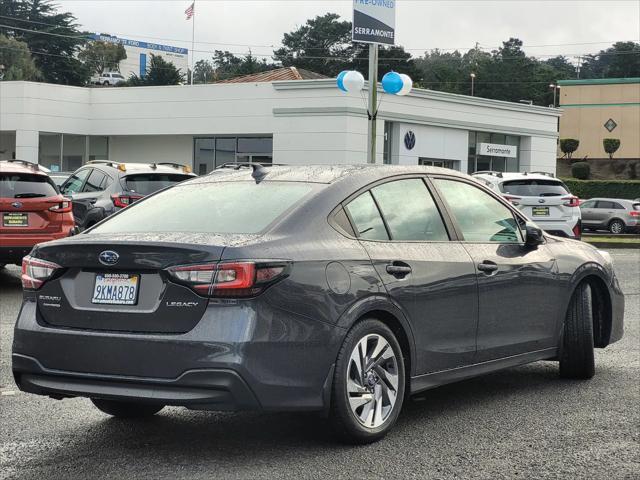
{"x":374,"y":22}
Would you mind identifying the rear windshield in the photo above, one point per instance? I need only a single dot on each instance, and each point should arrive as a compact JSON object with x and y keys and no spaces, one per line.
{"x":218,"y":207}
{"x":146,"y":183}
{"x":25,"y":185}
{"x":534,"y":188}
{"x":636,"y":206}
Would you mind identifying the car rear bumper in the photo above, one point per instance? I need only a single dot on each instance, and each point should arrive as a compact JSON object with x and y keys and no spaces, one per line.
{"x":558,"y":227}
{"x":15,"y":247}
{"x":234,"y":359}
{"x":197,"y":389}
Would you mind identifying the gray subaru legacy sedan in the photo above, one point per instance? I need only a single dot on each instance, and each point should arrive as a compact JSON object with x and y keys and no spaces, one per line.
{"x":338,"y":289}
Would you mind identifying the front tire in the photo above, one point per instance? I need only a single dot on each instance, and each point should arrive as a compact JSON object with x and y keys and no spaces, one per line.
{"x":617,"y":227}
{"x":369,"y":383}
{"x":126,"y":409}
{"x":577,"y":357}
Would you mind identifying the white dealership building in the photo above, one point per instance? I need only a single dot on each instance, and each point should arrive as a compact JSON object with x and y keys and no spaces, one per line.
{"x":287,"y":121}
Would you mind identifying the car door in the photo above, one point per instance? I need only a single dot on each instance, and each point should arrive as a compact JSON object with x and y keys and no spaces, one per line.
{"x":519,"y":298}
{"x":74,"y":187}
{"x":429,"y":276}
{"x":588,"y":213}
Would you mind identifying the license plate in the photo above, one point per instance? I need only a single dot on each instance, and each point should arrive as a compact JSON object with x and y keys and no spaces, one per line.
{"x":540,"y":211}
{"x":15,"y":220}
{"x":116,"y":289}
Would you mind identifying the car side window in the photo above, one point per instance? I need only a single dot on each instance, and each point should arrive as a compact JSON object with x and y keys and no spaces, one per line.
{"x":366,"y":218}
{"x":604,"y":204}
{"x":589,"y":204}
{"x":74,"y":182}
{"x":410,"y":211}
{"x":481,"y":217}
{"x":94,"y":182}
{"x":617,"y":206}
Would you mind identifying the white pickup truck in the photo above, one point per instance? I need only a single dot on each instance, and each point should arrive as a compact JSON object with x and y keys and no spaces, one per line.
{"x":108,"y":79}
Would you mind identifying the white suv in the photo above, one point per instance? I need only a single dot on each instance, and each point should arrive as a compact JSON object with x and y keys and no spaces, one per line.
{"x":108,"y":79}
{"x":540,"y":196}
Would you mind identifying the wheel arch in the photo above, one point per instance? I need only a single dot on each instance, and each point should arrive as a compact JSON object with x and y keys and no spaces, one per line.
{"x":388,"y":312}
{"x":601,"y":303}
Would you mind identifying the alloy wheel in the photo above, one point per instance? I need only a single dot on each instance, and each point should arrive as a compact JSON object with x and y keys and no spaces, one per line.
{"x":616,"y":227}
{"x":372,"y":380}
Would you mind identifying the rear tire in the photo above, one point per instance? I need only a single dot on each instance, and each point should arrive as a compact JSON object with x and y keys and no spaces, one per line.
{"x":368,"y":384}
{"x":577,"y":356}
{"x":126,"y":409}
{"x":617,"y":227}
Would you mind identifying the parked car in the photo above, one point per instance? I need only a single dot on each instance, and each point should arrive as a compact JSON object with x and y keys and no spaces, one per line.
{"x":59,"y":177}
{"x":338,"y":289}
{"x":103,"y":187}
{"x":541,"y":197}
{"x":108,"y":79}
{"x":614,"y":214}
{"x":32,"y":210}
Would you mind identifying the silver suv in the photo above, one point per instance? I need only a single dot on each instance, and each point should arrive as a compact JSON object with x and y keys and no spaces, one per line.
{"x":541,"y":197}
{"x":614,"y":214}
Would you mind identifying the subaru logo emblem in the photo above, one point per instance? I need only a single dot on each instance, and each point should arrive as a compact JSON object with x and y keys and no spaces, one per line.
{"x":16,"y":204}
{"x":409,"y":140}
{"x":542,"y":200}
{"x":108,"y":257}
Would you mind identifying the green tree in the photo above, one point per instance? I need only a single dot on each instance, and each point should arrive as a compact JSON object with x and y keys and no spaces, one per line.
{"x":568,"y":146}
{"x":103,"y":56}
{"x":322,"y":45}
{"x":159,"y":72}
{"x":393,"y":58}
{"x":203,"y":72}
{"x":621,"y":60}
{"x":16,"y":62}
{"x":52,"y":37}
{"x":227,"y":65}
{"x":611,"y":146}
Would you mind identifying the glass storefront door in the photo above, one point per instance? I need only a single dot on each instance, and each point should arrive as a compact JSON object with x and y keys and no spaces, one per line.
{"x":479,"y":162}
{"x":212,"y":152}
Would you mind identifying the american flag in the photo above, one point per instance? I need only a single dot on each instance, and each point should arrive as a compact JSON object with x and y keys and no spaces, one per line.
{"x":190,"y":11}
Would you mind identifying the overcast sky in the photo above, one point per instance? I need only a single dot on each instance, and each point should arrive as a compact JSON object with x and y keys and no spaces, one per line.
{"x":420,"y":24}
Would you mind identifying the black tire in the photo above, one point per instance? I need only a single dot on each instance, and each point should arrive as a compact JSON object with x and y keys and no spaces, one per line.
{"x":577,"y":356}
{"x":617,"y":227}
{"x":106,"y":84}
{"x":343,"y":420}
{"x":126,"y":409}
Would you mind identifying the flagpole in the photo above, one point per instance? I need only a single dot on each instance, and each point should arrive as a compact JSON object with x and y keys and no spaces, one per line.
{"x":193,"y":38}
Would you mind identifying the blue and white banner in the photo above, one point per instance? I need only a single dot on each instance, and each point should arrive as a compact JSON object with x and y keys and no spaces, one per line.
{"x":374,"y":21}
{"x":138,"y":44}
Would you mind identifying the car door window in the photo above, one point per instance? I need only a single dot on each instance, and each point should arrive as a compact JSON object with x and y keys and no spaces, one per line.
{"x":75,"y":182}
{"x":366,"y":218}
{"x":605,"y":205}
{"x":617,"y":206}
{"x":589,"y":204}
{"x":481,"y":217}
{"x":410,"y":211}
{"x":94,"y":182}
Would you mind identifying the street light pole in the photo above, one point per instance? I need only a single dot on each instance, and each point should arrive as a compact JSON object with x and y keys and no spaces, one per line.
{"x":373,"y":101}
{"x":555,"y":90}
{"x":473,"y":77}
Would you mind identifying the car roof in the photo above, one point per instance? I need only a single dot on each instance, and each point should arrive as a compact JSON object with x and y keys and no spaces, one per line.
{"x":623,"y":200}
{"x":506,"y":176}
{"x":20,"y":166}
{"x":133,"y":167}
{"x":326,"y":174}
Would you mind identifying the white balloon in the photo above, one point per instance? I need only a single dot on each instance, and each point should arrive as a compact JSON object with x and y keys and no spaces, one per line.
{"x":407,"y":84}
{"x":353,"y":81}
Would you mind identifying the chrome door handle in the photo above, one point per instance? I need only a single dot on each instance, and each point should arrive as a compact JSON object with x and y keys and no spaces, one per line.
{"x":399,"y":270}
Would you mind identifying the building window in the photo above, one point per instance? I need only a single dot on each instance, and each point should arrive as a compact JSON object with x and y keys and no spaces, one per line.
{"x":437,"y":162}
{"x":212,"y":152}
{"x":478,"y":162}
{"x":386,"y":157}
{"x":66,"y":153}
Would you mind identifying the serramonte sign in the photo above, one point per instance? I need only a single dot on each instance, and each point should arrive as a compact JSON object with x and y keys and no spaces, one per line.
{"x":374,"y":21}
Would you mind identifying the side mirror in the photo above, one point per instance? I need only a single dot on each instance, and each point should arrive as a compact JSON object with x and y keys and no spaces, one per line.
{"x":533,"y":235}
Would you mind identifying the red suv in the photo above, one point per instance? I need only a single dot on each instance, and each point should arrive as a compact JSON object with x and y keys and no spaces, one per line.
{"x":32,"y":210}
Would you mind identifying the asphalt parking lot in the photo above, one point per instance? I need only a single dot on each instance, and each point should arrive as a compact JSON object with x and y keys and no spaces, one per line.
{"x":520,"y":423}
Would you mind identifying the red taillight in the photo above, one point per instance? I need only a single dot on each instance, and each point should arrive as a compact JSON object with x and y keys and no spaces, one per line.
{"x":577,"y":230}
{"x":228,"y":279}
{"x":512,"y":199}
{"x":634,"y":213}
{"x":571,"y":201}
{"x":122,"y":201}
{"x":62,"y":207}
{"x":35,"y":272}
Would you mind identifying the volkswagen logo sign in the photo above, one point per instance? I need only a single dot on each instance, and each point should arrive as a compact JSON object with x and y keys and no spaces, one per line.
{"x":542,"y":200}
{"x":108,"y":257}
{"x":409,"y":140}
{"x":16,"y":205}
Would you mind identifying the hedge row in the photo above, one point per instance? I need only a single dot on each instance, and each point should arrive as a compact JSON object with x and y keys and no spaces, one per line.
{"x":629,"y":189}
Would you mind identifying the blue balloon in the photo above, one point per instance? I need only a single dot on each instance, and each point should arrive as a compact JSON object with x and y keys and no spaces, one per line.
{"x":392,"y":83}
{"x":340,"y":79}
